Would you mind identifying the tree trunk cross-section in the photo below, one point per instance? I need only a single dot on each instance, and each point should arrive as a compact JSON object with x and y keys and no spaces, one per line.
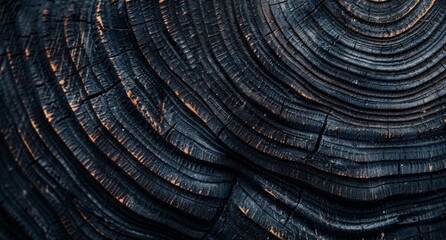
{"x":222,"y":119}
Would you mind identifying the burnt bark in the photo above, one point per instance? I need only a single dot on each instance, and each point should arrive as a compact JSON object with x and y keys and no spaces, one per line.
{"x":222,"y":119}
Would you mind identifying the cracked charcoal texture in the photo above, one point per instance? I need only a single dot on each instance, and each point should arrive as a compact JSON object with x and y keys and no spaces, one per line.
{"x":222,"y":119}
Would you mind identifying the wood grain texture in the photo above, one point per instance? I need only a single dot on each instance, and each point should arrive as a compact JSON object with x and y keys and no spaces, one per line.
{"x":222,"y":119}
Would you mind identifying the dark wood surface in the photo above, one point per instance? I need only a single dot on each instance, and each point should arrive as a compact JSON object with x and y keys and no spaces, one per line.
{"x":222,"y":119}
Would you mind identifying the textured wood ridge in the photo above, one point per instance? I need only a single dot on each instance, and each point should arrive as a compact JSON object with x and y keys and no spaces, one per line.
{"x":221,"y":119}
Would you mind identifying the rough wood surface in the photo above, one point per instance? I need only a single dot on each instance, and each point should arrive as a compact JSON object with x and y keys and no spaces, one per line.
{"x":222,"y":119}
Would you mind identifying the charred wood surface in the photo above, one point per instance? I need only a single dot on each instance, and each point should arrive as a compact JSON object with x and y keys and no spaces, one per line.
{"x":222,"y":119}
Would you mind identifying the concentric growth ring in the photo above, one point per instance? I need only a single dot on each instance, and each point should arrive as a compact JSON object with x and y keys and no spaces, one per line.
{"x":211,"y":119}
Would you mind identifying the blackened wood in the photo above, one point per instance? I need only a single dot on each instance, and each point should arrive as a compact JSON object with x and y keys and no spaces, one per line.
{"x":210,"y":119}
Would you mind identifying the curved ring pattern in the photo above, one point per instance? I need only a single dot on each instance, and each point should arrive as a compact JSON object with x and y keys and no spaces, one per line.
{"x":245,"y":119}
